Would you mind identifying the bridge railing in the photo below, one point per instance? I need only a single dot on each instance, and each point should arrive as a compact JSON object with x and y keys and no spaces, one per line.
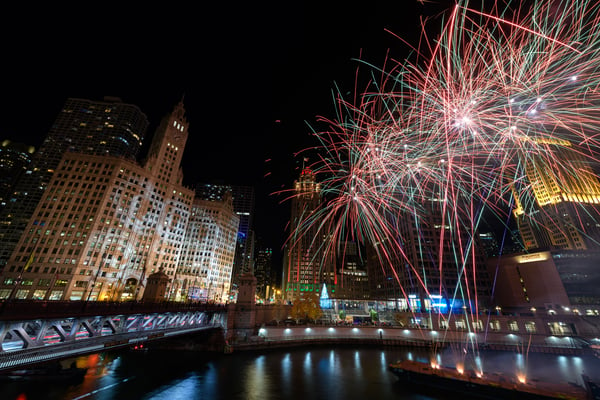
{"x":11,"y":310}
{"x":31,"y":356}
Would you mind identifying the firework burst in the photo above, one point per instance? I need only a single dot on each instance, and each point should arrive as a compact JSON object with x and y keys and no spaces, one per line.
{"x":456,"y":133}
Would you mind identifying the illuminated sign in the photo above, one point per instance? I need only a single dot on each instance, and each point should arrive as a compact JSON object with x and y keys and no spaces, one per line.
{"x":527,"y":258}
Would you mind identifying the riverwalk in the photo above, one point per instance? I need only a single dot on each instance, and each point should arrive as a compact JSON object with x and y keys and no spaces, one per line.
{"x":303,"y":335}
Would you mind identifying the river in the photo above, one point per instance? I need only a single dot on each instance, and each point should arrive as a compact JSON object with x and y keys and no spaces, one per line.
{"x":333,"y":372}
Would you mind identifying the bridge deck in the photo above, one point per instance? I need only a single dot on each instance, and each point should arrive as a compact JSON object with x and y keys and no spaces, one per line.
{"x":34,"y":332}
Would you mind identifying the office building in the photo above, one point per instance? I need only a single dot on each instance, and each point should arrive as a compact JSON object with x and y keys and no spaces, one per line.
{"x":206,"y":264}
{"x":352,"y":277}
{"x":263,"y":273}
{"x":14,"y":162}
{"x":558,"y":206}
{"x":437,"y":263}
{"x":526,"y":281}
{"x":305,"y":268}
{"x":107,"y":128}
{"x":105,"y":222}
{"x":243,"y":205}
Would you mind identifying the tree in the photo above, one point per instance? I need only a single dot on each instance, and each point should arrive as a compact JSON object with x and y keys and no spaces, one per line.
{"x":374,"y":315}
{"x":307,"y":307}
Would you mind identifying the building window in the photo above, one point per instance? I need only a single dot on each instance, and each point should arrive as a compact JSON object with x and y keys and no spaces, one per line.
{"x":495,"y":325}
{"x":477,"y":325}
{"x":39,"y":294}
{"x":56,"y":295}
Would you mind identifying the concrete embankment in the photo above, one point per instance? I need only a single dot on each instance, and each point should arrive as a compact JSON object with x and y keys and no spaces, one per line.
{"x":297,"y":336}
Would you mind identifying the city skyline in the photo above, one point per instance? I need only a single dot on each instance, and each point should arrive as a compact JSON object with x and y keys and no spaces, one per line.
{"x":392,"y":164}
{"x":258,"y":87}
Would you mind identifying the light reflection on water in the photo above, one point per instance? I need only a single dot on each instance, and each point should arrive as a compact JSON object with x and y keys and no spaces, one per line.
{"x":316,"y":372}
{"x":256,"y":381}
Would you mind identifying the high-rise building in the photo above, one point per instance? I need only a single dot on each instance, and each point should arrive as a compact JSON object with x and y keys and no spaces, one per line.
{"x":353,"y":280}
{"x":489,"y":244}
{"x":109,"y":128}
{"x":305,"y":269}
{"x":550,"y":280}
{"x":243,"y":205}
{"x":14,"y":161}
{"x":579,"y":273}
{"x":206,"y":263}
{"x":438,"y":263}
{"x":105,"y":222}
{"x":558,"y":207}
{"x":263,"y":272}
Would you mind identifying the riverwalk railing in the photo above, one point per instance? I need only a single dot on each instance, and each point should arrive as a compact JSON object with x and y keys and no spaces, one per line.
{"x":271,"y":337}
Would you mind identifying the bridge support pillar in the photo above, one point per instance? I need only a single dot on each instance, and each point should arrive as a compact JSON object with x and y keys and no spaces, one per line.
{"x":241,"y":320}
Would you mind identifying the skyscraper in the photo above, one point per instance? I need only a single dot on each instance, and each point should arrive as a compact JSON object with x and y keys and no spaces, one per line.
{"x":104,"y":223}
{"x":263,"y":272}
{"x":353,"y":280}
{"x":557,"y":208}
{"x":305,"y":270}
{"x":206,"y":263}
{"x":109,"y":127}
{"x":559,"y":205}
{"x":243,"y":206}
{"x":14,"y":161}
{"x":439,"y":265}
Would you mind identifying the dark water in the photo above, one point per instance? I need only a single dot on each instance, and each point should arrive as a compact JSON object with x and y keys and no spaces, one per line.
{"x":302,"y":373}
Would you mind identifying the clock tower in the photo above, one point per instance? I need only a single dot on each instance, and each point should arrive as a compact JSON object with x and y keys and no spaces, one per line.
{"x":166,"y":151}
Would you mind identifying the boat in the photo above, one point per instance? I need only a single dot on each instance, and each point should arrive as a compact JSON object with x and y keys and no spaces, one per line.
{"x":592,"y":387}
{"x":45,"y":374}
{"x":483,"y":386}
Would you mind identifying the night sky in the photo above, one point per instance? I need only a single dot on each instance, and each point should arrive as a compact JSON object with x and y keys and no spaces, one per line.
{"x":254,"y":75}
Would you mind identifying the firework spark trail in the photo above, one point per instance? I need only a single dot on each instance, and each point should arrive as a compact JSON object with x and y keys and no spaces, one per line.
{"x":502,"y":90}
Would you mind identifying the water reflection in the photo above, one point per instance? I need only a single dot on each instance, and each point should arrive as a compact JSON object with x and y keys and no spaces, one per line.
{"x":256,"y":381}
{"x":318,"y":372}
{"x":286,"y":372}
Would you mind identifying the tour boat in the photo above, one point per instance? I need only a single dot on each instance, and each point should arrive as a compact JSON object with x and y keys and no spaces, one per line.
{"x":484,"y":386}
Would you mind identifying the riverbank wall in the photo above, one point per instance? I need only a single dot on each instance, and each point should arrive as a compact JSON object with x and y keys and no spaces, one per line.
{"x":267,"y":337}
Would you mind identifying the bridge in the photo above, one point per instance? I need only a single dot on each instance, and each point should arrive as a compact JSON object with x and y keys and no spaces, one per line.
{"x":33,"y":332}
